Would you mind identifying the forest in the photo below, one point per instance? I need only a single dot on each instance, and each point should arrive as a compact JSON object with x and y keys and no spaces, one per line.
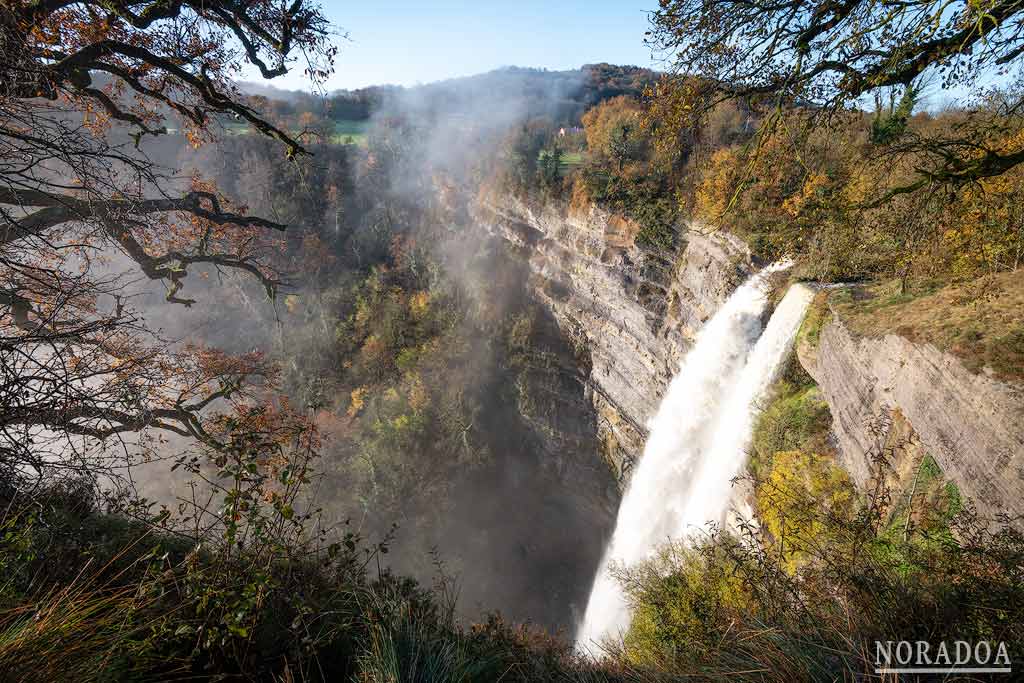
{"x":274,"y":407}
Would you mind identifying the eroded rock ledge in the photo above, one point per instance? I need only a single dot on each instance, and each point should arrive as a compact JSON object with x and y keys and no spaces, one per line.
{"x":971,"y":424}
{"x":635,"y":312}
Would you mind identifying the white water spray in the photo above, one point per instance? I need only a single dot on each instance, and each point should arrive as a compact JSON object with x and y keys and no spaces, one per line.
{"x":697,"y":441}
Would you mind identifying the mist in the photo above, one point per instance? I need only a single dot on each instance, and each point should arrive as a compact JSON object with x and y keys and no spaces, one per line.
{"x":514,"y":526}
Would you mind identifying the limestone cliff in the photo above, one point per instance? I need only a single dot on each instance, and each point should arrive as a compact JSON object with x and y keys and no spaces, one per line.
{"x":632,"y":310}
{"x":972,"y":424}
{"x":633,"y":313}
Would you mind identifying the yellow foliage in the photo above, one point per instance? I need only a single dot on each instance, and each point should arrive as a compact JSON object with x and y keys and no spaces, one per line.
{"x":679,"y":596}
{"x":579,"y":202}
{"x":794,"y":204}
{"x":602,"y":121}
{"x":363,"y":314}
{"x":357,"y":401}
{"x":800,"y":490}
{"x":717,"y":184}
{"x":861,"y":187}
{"x":419,"y":397}
{"x":1012,"y":144}
{"x":419,"y":304}
{"x":988,"y":232}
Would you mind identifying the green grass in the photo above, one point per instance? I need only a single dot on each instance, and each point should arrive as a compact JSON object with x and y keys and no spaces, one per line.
{"x":818,"y":315}
{"x":350,"y":132}
{"x":923,"y":508}
{"x":345,"y":131}
{"x":569,"y":162}
{"x":572,"y":159}
{"x":797,"y":419}
{"x":237,"y":127}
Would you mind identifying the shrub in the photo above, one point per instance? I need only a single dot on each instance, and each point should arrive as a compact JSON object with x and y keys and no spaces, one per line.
{"x":818,"y":619}
{"x":796,"y":418}
{"x":680,"y":597}
{"x":795,"y":501}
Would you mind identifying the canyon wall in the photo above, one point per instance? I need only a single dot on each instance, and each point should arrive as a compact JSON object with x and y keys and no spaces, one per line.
{"x":635,"y":311}
{"x":971,"y":424}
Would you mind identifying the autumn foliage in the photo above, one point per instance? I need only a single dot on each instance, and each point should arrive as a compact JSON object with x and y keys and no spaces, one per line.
{"x":84,"y":211}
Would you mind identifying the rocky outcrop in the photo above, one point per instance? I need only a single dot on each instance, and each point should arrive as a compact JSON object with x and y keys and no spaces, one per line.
{"x":634,"y":311}
{"x":972,"y":424}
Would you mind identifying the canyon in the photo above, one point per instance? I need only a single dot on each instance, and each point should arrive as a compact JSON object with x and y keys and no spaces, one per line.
{"x":636,"y":312}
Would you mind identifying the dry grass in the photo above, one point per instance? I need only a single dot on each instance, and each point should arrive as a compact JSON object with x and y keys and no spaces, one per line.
{"x":818,"y":315}
{"x":980,"y":322}
{"x":77,"y":633}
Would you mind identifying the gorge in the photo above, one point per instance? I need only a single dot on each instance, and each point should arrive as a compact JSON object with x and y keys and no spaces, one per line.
{"x":639,"y":321}
{"x":596,"y":375}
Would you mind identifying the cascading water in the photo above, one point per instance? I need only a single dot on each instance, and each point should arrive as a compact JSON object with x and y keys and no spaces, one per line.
{"x":697,"y":441}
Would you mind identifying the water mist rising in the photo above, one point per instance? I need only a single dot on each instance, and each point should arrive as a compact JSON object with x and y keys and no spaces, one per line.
{"x":697,"y":441}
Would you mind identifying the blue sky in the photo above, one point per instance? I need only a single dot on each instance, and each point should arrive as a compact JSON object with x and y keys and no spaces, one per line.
{"x":406,"y":43}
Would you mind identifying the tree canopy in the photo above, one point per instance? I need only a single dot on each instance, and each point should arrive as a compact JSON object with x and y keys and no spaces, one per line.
{"x":830,"y":55}
{"x":84,"y":83}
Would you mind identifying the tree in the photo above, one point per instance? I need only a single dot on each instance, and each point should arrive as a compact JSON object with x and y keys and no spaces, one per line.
{"x":611,"y":128}
{"x":826,"y":55}
{"x":550,"y":168}
{"x":523,"y":147}
{"x":84,"y":84}
{"x":890,"y":124}
{"x":620,"y":146}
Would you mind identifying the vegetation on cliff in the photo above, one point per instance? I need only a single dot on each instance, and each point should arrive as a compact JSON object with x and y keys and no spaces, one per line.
{"x":819,"y":193}
{"x":980,"y":322}
{"x":781,"y":143}
{"x":374,"y":365}
{"x":806,"y":596}
{"x":826,"y":570}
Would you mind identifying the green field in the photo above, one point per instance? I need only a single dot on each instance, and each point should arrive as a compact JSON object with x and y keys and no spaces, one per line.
{"x":569,"y":162}
{"x":236,"y":127}
{"x":572,"y":159}
{"x":345,"y":131}
{"x":350,"y":132}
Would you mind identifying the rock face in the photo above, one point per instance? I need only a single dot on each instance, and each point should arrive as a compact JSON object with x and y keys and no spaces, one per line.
{"x":971,"y":424}
{"x":633,"y":311}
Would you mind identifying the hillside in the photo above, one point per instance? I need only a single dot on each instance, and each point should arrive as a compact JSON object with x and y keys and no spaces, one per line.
{"x":601,"y":375}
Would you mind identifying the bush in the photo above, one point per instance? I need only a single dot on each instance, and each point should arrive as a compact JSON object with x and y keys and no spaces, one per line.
{"x":796,"y":418}
{"x":797,"y":497}
{"x":123,"y":603}
{"x":680,"y":598}
{"x":644,"y":199}
{"x":733,"y":606}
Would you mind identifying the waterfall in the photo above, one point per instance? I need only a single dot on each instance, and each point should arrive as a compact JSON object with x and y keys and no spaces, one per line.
{"x":698,"y":440}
